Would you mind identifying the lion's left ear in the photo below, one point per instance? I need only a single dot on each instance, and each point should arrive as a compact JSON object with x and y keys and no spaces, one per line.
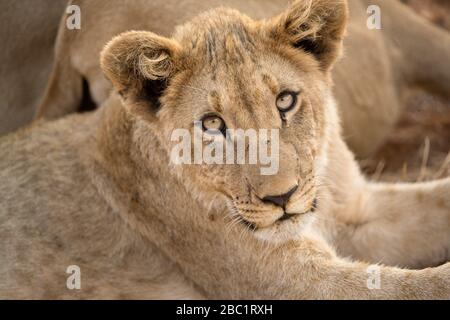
{"x":140,"y":64}
{"x":314,"y":26}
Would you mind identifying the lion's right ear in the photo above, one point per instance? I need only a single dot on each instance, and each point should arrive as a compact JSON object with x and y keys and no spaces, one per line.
{"x":140,"y":64}
{"x":316,"y":27}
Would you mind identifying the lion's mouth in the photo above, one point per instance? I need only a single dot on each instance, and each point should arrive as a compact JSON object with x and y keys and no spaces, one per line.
{"x":285,"y":217}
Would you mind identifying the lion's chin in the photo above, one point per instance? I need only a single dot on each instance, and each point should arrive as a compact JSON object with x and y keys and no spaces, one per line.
{"x":285,"y":230}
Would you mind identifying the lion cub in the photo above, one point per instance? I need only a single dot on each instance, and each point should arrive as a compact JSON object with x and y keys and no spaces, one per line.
{"x":99,"y":191}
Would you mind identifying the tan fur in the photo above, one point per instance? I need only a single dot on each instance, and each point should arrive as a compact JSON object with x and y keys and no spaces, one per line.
{"x":27,"y":32}
{"x":372,"y":80}
{"x":98,"y":190}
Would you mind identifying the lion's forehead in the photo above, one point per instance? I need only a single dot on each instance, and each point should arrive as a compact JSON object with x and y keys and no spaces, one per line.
{"x":247,"y":97}
{"x":222,"y":37}
{"x":233,"y":69}
{"x":218,"y":47}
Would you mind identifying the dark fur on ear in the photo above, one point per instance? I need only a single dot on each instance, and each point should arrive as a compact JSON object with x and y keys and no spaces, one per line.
{"x":314,"y":26}
{"x":140,"y":65}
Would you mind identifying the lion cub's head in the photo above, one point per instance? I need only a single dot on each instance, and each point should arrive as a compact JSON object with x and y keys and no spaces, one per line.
{"x":222,"y":72}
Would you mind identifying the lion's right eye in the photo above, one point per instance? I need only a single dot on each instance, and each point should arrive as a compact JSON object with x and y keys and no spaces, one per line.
{"x":287,"y":101}
{"x":213,"y":123}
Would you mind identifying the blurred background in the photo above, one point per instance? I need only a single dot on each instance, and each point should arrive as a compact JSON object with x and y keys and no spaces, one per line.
{"x":418,"y":149}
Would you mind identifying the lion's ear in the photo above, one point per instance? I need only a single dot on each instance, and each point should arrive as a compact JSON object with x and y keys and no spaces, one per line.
{"x":140,"y":65}
{"x":314,"y":26}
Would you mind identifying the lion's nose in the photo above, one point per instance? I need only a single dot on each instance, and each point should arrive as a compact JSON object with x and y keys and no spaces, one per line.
{"x":281,"y":200}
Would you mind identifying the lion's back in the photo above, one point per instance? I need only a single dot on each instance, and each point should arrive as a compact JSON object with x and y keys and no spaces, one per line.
{"x":45,"y":201}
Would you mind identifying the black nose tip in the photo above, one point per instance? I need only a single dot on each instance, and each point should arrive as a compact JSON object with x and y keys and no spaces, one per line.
{"x":281,"y":200}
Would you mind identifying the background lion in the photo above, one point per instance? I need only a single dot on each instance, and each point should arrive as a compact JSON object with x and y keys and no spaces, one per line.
{"x":373,"y":80}
{"x":99,"y":190}
{"x":28,"y":31}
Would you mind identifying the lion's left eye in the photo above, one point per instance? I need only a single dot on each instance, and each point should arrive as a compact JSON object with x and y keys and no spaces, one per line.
{"x":286,"y":101}
{"x":213,"y":123}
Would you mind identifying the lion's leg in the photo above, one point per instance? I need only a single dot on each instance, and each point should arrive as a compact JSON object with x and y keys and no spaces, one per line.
{"x":330,"y":277}
{"x":399,"y":224}
{"x":420,"y":51}
{"x":63,"y":94}
{"x":304,"y":269}
{"x":68,"y":89}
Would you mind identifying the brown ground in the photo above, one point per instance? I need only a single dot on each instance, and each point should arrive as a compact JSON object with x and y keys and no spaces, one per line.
{"x":418,"y":149}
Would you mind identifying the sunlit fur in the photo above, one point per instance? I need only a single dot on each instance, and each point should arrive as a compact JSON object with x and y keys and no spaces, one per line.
{"x":98,"y":190}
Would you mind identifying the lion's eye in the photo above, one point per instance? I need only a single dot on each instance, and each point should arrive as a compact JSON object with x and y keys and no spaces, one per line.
{"x":286,"y":101}
{"x":213,"y":123}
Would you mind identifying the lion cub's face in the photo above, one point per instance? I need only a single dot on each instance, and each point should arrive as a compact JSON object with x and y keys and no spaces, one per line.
{"x":252,"y":89}
{"x":224,"y":80}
